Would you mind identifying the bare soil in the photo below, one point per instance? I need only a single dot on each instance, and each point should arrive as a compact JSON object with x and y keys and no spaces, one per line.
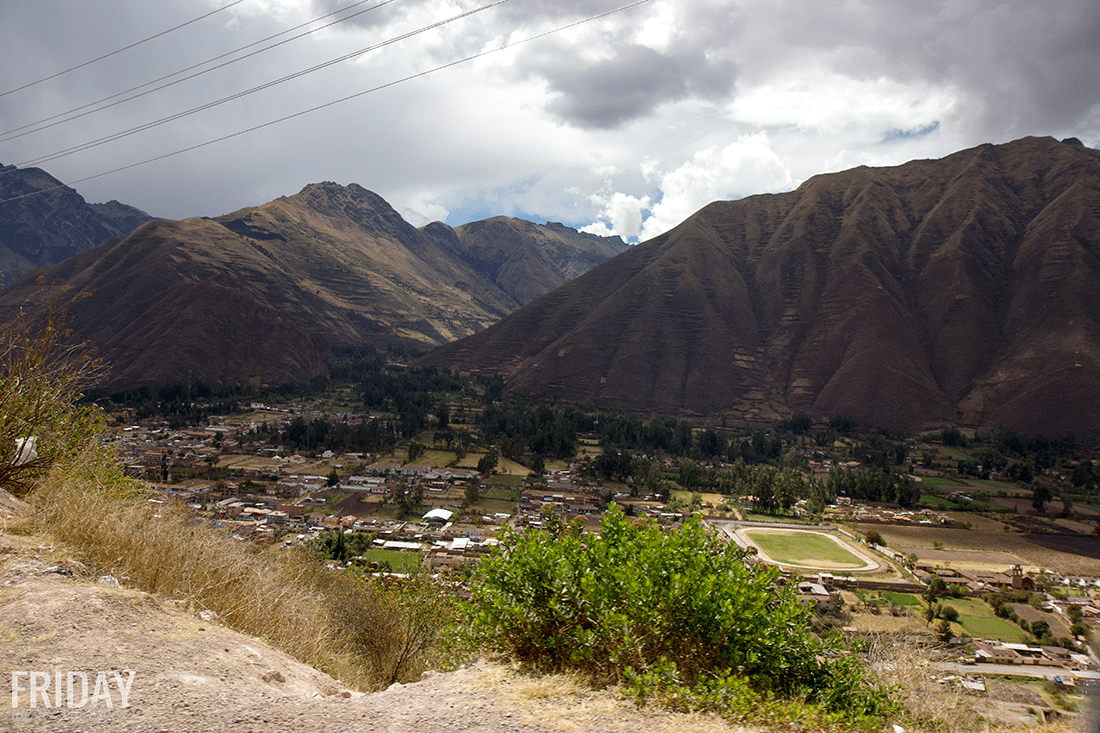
{"x":192,"y":674}
{"x":1060,"y":558}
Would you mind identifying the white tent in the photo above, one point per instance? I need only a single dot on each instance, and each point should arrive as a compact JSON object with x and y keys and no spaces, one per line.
{"x":438,"y":515}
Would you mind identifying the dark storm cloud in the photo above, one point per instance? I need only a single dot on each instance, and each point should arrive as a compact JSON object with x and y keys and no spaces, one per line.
{"x":816,"y":84}
{"x":607,"y":93}
{"x":1018,"y":65}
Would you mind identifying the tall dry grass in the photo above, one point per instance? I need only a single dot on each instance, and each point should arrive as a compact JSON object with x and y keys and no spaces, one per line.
{"x":932,"y":706}
{"x":361,"y":632}
{"x":364,"y":634}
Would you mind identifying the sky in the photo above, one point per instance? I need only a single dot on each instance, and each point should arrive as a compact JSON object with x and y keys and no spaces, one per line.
{"x":458,"y":110}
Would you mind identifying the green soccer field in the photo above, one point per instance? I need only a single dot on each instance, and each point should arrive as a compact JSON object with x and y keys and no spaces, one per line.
{"x":805,"y":548}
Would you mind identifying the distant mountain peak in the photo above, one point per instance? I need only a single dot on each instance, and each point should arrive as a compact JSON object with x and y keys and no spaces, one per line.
{"x":54,"y":222}
{"x":964,"y":290}
{"x":262,"y":294}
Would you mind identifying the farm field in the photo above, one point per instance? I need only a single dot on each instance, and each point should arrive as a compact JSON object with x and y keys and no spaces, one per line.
{"x":808,"y":549}
{"x":909,"y":600}
{"x":251,"y":462}
{"x":1059,"y":557}
{"x":975,"y":559}
{"x":438,"y":457}
{"x":400,"y":562}
{"x":1031,"y":614}
{"x":750,"y":516}
{"x":503,"y":493}
{"x":940,"y":480}
{"x":494,"y":506}
{"x":977,"y":521}
{"x":977,"y":619}
{"x":931,"y":500}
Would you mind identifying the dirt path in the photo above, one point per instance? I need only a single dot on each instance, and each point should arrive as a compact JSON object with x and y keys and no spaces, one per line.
{"x":193,"y":675}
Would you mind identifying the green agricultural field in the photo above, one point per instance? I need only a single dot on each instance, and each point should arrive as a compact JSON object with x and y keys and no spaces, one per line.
{"x":438,"y":457}
{"x":492,"y":506}
{"x":400,"y":562}
{"x":908,"y":600}
{"x":941,"y":480}
{"x":498,"y":479}
{"x":993,"y":628}
{"x":936,"y":501}
{"x":978,"y":619}
{"x":804,"y":548}
{"x":503,"y":493}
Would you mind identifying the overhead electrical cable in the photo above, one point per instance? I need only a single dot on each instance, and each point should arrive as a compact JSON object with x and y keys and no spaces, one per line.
{"x":289,"y":77}
{"x":336,"y":101}
{"x":10,"y":134}
{"x":124,"y":48}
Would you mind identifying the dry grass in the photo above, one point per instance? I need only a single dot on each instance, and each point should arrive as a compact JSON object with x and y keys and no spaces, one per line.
{"x":566,"y":702}
{"x":933,"y":706}
{"x":910,"y":669}
{"x":335,"y":621}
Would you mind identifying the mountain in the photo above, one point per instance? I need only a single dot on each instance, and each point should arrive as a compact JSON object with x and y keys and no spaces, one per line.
{"x":49,"y":226}
{"x":262,"y":294}
{"x":525,"y":259}
{"x":964,"y":290}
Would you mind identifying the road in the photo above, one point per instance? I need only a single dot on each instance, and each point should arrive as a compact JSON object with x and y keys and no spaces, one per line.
{"x":1019,"y":670}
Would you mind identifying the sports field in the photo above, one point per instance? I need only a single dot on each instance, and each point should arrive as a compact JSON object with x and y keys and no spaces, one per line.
{"x":804,"y":549}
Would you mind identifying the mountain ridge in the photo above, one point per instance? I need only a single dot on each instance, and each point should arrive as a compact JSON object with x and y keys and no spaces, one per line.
{"x":54,"y":222}
{"x":262,"y":294}
{"x":900,"y":296}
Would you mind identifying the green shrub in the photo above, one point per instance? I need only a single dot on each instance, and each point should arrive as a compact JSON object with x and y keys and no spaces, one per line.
{"x":678,"y":611}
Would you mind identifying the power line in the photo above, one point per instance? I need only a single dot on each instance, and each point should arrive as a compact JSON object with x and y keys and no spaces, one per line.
{"x":209,"y":105}
{"x":124,"y":48}
{"x":335,"y":102}
{"x":8,"y":135}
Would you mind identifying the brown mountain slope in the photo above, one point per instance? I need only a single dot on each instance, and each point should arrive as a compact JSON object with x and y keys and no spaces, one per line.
{"x":525,"y":259}
{"x":961,"y":290}
{"x":45,"y":228}
{"x":262,"y":294}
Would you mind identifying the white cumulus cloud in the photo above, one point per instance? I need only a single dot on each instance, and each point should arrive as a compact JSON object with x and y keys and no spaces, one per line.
{"x":736,"y":170}
{"x":622,"y":215}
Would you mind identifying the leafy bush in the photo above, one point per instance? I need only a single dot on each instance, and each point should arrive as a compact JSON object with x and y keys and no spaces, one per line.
{"x":676,"y":614}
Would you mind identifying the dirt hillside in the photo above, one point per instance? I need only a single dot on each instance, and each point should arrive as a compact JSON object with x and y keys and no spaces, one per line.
{"x":191,"y":674}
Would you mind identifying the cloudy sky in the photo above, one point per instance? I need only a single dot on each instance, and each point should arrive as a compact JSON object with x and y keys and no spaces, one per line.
{"x":625,"y":124}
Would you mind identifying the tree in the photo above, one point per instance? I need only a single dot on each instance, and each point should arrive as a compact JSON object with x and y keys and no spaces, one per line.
{"x":333,"y":478}
{"x":402,"y":498}
{"x":936,"y":588}
{"x":874,"y":537}
{"x":764,"y":492}
{"x":473,"y":493}
{"x":799,"y":423}
{"x":1040,"y":495}
{"x":487,"y":463}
